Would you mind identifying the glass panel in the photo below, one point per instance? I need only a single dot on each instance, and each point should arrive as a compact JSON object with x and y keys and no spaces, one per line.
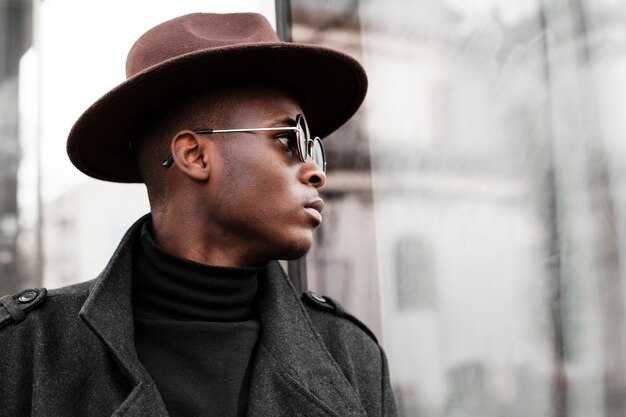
{"x":414,"y":271}
{"x":489,"y":157}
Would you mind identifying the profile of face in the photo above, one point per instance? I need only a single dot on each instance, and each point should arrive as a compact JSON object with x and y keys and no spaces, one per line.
{"x":258,"y":199}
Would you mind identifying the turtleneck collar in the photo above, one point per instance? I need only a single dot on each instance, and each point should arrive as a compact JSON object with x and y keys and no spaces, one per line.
{"x":166,"y":286}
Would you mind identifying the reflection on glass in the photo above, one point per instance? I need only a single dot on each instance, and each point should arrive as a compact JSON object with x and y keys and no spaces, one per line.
{"x":492,"y":135}
{"x":415,"y":274}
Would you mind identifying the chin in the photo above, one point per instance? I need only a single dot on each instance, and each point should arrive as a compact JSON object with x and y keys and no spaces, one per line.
{"x":297,"y":249}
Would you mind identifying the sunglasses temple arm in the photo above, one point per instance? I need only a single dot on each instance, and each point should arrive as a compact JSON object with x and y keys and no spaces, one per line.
{"x":258,"y":129}
{"x":170,"y":160}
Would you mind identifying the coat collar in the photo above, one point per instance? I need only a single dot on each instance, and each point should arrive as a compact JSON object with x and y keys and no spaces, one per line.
{"x":108,"y":312}
{"x":293,"y":372}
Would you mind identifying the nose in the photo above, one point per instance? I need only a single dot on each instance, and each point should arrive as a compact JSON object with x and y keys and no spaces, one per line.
{"x":312,"y":174}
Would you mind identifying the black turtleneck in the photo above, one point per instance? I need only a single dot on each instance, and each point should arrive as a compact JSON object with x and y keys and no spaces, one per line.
{"x":195,"y":330}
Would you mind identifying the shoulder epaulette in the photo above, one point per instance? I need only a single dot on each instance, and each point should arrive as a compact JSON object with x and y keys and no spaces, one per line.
{"x":325,"y":303}
{"x":13,"y":308}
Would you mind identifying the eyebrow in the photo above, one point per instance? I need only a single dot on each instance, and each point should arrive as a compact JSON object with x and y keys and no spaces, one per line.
{"x":289,"y":121}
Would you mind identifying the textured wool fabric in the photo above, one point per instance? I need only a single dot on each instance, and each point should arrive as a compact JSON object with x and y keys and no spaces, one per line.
{"x":195,"y":330}
{"x":74,"y":355}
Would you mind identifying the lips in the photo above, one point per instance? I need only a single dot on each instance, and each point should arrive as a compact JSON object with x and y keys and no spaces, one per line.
{"x":314,"y":208}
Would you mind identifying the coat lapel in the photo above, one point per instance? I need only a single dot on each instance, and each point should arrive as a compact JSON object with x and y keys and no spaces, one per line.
{"x":293,"y":372}
{"x":108,"y":312}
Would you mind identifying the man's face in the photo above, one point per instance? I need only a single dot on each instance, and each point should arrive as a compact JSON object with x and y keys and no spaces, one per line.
{"x":262,"y":201}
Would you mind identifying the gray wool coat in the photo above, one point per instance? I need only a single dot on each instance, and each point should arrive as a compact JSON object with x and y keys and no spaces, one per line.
{"x":70,"y":352}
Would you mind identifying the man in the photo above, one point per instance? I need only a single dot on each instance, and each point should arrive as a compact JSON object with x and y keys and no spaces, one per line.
{"x":192,"y":316}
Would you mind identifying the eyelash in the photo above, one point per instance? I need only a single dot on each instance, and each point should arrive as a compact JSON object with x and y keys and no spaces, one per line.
{"x":286,"y":141}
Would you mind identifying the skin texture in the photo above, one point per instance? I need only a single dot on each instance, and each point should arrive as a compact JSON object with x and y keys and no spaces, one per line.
{"x":240,"y":199}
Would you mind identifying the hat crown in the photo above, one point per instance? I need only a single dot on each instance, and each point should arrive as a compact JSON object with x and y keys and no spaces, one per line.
{"x":197,"y":32}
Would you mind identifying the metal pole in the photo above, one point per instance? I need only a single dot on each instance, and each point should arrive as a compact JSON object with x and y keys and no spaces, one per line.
{"x":39,"y":251}
{"x":283,"y":20}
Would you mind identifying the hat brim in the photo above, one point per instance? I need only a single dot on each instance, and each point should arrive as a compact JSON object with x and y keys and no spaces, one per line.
{"x":330,"y":85}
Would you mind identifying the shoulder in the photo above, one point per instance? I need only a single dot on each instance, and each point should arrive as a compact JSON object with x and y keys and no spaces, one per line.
{"x":36,"y":304}
{"x":332,"y":321}
{"x":38,"y":325}
{"x":39,"y":328}
{"x":354,"y":348}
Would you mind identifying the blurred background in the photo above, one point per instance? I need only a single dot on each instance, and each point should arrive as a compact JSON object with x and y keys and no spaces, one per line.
{"x":476,"y":204}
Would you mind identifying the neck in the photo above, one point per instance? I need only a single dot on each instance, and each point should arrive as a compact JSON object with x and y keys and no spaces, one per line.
{"x":203,"y":244}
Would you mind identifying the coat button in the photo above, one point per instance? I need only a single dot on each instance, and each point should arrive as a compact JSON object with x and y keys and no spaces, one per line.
{"x":27,"y":297}
{"x":318,"y":297}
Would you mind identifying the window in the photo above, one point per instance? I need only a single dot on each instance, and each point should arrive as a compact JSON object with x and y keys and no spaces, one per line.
{"x":415,"y":274}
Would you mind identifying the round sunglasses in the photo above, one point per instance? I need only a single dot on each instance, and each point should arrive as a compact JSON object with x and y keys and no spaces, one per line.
{"x":305,"y":146}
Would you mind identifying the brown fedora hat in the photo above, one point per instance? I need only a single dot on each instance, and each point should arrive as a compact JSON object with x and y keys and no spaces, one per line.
{"x":197,"y":51}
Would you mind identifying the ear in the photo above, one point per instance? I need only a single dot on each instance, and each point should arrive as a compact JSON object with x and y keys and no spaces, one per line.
{"x":191,"y":154}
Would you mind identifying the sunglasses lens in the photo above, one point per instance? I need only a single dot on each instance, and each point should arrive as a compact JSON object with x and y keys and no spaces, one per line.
{"x":317,"y":153}
{"x":309,"y":147}
{"x":303,"y":135}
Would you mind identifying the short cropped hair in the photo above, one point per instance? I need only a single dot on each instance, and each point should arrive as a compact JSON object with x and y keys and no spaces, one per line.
{"x":153,"y":136}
